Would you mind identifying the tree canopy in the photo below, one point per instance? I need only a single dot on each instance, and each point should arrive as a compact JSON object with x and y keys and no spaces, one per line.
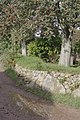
{"x":21,"y":19}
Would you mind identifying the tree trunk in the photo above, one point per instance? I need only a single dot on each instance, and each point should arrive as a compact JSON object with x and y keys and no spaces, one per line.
{"x":23,"y":45}
{"x":65,"y":53}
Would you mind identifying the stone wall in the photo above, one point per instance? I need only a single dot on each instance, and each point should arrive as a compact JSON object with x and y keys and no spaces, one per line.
{"x":52,"y":82}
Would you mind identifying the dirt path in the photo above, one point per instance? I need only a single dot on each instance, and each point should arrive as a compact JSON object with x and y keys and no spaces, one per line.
{"x":16,"y":104}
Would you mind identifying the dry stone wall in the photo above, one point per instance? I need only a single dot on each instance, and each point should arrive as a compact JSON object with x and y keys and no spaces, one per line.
{"x":51,"y":82}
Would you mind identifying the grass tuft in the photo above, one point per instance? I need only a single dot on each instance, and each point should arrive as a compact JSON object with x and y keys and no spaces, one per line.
{"x":11,"y":73}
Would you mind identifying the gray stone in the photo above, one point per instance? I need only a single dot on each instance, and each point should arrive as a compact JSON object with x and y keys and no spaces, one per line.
{"x":76,"y":92}
{"x":48,"y":84}
{"x":31,"y":85}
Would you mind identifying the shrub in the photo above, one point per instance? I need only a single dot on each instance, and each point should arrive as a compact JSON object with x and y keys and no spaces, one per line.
{"x":47,"y":49}
{"x":8,"y":51}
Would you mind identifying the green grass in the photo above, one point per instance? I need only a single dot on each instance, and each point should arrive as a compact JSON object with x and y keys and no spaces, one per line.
{"x":66,"y":99}
{"x":39,"y":92}
{"x":35,"y":63}
{"x":11,"y":73}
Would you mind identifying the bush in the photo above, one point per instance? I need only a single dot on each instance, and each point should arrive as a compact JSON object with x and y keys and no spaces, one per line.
{"x":8,"y":52}
{"x":47,"y":49}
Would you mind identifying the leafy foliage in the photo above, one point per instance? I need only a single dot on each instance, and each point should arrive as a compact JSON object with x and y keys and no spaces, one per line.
{"x":20,"y":19}
{"x":47,"y":49}
{"x":8,"y":53}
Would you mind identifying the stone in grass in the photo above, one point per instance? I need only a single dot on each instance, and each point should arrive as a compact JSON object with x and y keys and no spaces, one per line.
{"x":48,"y":84}
{"x":76,"y":92}
{"x":31,"y":85}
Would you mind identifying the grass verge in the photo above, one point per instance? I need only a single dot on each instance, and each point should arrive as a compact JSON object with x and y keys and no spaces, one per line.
{"x":66,"y":99}
{"x":11,"y":73}
{"x":35,"y":63}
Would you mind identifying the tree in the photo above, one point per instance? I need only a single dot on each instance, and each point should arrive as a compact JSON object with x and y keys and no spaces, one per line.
{"x":58,"y":17}
{"x":16,"y":21}
{"x":69,"y":19}
{"x":49,"y":18}
{"x":8,"y":20}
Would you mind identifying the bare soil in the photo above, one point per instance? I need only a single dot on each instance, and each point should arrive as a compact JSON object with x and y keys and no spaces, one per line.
{"x":16,"y":104}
